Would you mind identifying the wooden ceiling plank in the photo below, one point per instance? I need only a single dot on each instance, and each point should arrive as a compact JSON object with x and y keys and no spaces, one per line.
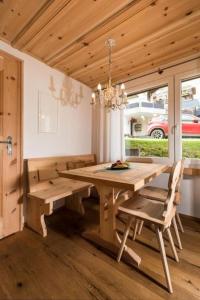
{"x":140,"y":57}
{"x":70,"y":34}
{"x":172,"y":41}
{"x":162,"y":59}
{"x":1,"y":63}
{"x":81,"y":59}
{"x":124,"y":72}
{"x":66,"y":26}
{"x":15,"y":14}
{"x":166,"y":32}
{"x":131,"y":59}
{"x":98,"y":51}
{"x":159,"y":62}
{"x":38,"y":21}
{"x":106,"y":25}
{"x":146,"y":68}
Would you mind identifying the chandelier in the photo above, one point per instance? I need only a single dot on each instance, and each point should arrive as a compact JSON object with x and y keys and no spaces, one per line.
{"x":112,"y":97}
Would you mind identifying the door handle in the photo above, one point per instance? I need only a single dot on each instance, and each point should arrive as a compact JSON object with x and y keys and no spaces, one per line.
{"x":174,"y":128}
{"x":8,"y":142}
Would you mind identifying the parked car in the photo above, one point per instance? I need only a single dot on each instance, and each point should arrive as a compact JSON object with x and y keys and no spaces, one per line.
{"x":158,"y":127}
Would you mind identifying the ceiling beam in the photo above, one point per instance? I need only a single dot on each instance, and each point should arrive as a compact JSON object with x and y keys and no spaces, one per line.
{"x":20,"y":36}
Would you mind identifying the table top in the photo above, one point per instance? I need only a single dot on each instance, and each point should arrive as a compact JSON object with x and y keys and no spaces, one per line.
{"x":133,"y":178}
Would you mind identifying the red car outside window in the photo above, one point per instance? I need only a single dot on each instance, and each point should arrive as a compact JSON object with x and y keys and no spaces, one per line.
{"x":158,"y":127}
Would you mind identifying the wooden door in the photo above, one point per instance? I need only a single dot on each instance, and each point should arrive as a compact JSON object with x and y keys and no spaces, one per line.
{"x":11,"y":219}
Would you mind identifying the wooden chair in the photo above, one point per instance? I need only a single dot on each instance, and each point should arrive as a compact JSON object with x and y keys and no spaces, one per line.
{"x":160,"y":214}
{"x":160,"y":194}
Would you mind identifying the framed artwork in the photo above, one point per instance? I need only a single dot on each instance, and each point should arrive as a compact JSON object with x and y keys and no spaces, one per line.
{"x":47,"y":113}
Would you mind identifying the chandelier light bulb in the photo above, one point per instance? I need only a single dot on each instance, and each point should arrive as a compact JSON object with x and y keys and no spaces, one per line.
{"x":99,"y":87}
{"x":122,"y":86}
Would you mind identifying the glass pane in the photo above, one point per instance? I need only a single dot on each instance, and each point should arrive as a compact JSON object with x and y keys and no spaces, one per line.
{"x":190,"y":118}
{"x":146,"y":123}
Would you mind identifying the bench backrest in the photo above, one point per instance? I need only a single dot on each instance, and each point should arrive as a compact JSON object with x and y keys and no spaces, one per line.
{"x":40,"y":171}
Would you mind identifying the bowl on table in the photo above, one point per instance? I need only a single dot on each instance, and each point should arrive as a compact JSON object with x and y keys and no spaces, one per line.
{"x":119,"y":165}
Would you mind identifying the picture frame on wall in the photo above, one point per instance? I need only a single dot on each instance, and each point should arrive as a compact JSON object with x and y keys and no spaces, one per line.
{"x":47,"y":113}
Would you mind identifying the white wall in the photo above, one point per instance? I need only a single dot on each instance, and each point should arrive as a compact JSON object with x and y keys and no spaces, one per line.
{"x":73,"y":135}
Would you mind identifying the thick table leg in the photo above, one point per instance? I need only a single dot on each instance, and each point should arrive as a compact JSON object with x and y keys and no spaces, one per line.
{"x":107,"y":237}
{"x":75,"y":202}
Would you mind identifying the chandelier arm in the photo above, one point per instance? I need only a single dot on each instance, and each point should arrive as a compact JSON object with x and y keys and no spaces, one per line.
{"x":109,"y":63}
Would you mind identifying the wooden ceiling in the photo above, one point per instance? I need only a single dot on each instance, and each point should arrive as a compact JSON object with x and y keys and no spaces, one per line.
{"x":70,"y":34}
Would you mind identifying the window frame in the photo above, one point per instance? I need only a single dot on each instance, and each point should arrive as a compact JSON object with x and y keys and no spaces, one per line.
{"x":182,"y":76}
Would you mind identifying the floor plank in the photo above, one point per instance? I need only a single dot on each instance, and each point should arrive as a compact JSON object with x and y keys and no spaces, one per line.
{"x":65,"y":266}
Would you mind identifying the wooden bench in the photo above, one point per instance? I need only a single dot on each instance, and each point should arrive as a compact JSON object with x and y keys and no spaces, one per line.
{"x":44,"y":187}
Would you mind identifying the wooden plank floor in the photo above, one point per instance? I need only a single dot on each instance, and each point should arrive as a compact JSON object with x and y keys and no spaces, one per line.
{"x":65,"y":266}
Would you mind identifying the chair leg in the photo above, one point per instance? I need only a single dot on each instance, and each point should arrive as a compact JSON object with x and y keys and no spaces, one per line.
{"x":179,"y":222}
{"x":172,"y":244}
{"x":123,"y":243}
{"x":177,"y":233}
{"x":135,"y":229}
{"x":164,"y":259}
{"x":140,"y":227}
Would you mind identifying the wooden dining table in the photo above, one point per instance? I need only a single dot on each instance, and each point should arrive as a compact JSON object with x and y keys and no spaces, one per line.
{"x":111,"y":185}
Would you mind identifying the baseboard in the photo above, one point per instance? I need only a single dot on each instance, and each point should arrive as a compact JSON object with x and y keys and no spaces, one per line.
{"x":189,"y":217}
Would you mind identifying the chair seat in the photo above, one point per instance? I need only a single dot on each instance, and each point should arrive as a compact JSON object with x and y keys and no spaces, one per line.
{"x":154,"y":193}
{"x":146,"y":209}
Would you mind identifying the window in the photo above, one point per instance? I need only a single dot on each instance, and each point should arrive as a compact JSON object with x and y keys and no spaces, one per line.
{"x":190,"y":118}
{"x":146,"y":126}
{"x":162,"y":119}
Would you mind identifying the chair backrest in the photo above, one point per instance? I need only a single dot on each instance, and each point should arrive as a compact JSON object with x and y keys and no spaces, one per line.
{"x":174,"y":180}
{"x":177,"y":196}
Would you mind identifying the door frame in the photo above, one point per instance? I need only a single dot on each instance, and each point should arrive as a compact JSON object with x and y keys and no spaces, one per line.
{"x":21,"y":110}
